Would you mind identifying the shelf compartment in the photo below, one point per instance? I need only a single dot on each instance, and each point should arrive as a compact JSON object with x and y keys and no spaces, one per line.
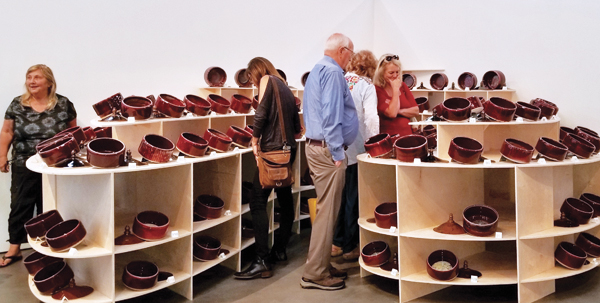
{"x":210,"y":223}
{"x":201,"y":266}
{"x":84,"y":250}
{"x":94,"y":297}
{"x":124,"y":293}
{"x":558,"y":271}
{"x":246,"y":242}
{"x":221,"y":178}
{"x":372,"y":227}
{"x":377,"y":271}
{"x":120,"y":249}
{"x":245,"y":208}
{"x":563,"y":231}
{"x":172,"y":129}
{"x":507,"y":228}
{"x":496,"y":269}
{"x":223,"y":122}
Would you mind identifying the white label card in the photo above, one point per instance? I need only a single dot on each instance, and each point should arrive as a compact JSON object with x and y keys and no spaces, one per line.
{"x":131,"y":119}
{"x":519,"y":119}
{"x":504,"y":87}
{"x":174,"y":234}
{"x":544,"y":119}
{"x":180,"y":158}
{"x":72,"y":251}
{"x":473,"y":279}
{"x":393,"y":229}
{"x":227,"y":213}
{"x":487,"y":162}
{"x":472,"y":120}
{"x":394,"y":272}
{"x":542,"y":161}
{"x":236,"y":148}
{"x":498,"y":235}
{"x":574,"y":159}
{"x":171,"y":279}
{"x":131,"y":165}
{"x":64,"y":299}
{"x":417,"y":160}
{"x":467,"y":88}
{"x":222,"y":256}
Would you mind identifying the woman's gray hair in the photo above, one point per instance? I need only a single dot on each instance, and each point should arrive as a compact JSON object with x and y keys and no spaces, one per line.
{"x":336,"y":41}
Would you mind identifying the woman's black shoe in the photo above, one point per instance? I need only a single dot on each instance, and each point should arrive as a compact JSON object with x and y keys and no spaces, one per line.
{"x":258,"y":268}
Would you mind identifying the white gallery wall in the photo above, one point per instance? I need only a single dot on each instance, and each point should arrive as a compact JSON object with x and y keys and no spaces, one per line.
{"x":546,"y":49}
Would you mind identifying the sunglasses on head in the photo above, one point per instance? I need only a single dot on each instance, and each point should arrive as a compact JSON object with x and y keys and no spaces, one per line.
{"x":389,"y":58}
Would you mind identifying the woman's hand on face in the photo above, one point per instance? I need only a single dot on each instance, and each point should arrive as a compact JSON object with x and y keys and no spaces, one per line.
{"x":396,"y":84}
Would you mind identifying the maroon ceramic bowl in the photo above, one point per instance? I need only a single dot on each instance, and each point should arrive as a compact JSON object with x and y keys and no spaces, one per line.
{"x":36,"y":261}
{"x":77,"y":133}
{"x":577,"y":210}
{"x":578,"y":146}
{"x":197,"y":105}
{"x":219,"y":104}
{"x":217,"y":140}
{"x":548,"y":109}
{"x":379,"y":146}
{"x":386,"y":215}
{"x":494,"y":79}
{"x":215,"y":76}
{"x":40,"y":224}
{"x":499,"y":109}
{"x":156,"y":148}
{"x":282,"y":74}
{"x":53,"y":277}
{"x":410,"y":80}
{"x":516,"y":151}
{"x":101,"y":132}
{"x":106,"y":153}
{"x":589,"y":243}
{"x":438,"y":81}
{"x":169,"y":106}
{"x":476,"y":103}
{"x":409,"y":147}
{"x":467,"y":79}
{"x":138,"y":107}
{"x":446,"y":256}
{"x":192,"y":145}
{"x":423,"y":103}
{"x":593,"y":201}
{"x":105,"y":107}
{"x":551,"y":149}
{"x":209,"y":206}
{"x":65,"y":235}
{"x":528,"y":111}
{"x":241,"y":78}
{"x":465,"y":150}
{"x":564,"y":131}
{"x":429,"y":129}
{"x":456,"y":109}
{"x":139,"y":275}
{"x":241,"y":104}
{"x":239,"y":136}
{"x":89,"y":133}
{"x":304,"y":78}
{"x":590,"y":136}
{"x":569,"y":255}
{"x":375,"y":253}
{"x":255,"y":102}
{"x":59,"y":150}
{"x":249,"y":128}
{"x":150,"y":225}
{"x":431,"y":141}
{"x":206,"y":248}
{"x":480,"y":220}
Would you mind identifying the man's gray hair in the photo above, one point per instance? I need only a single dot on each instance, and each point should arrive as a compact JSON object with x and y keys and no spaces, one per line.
{"x":336,"y":41}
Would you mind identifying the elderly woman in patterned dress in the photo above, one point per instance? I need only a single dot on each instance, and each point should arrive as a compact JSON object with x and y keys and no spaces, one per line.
{"x":35,"y":116}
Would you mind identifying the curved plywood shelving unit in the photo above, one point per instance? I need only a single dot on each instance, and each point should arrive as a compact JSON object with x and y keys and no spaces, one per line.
{"x":377,"y":271}
{"x":82,"y":250}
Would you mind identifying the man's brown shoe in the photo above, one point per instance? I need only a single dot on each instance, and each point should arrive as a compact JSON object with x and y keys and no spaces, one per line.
{"x":328,"y":283}
{"x":336,"y":273}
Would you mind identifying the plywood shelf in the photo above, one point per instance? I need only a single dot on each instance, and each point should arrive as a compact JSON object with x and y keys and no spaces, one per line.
{"x":206,"y":224}
{"x":84,"y":250}
{"x":377,"y":271}
{"x":372,"y":227}
{"x":94,"y":297}
{"x":246,"y":242}
{"x":124,"y":293}
{"x":507,"y":228}
{"x":558,"y":271}
{"x":120,"y":249}
{"x":201,"y":266}
{"x":562,"y":231}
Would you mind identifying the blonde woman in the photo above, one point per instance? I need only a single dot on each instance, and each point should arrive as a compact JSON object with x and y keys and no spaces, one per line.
{"x":35,"y":116}
{"x":396,"y":104}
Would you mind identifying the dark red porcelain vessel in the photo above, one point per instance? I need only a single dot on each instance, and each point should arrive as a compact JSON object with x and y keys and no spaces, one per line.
{"x":59,"y":150}
{"x":516,"y":151}
{"x":239,"y":136}
{"x":379,"y":145}
{"x":192,"y":145}
{"x":467,"y":79}
{"x":499,"y":109}
{"x":476,"y":103}
{"x":53,"y":277}
{"x":429,"y":129}
{"x":89,"y":133}
{"x":480,"y":220}
{"x":241,"y":104}
{"x":375,"y":253}
{"x":423,"y":103}
{"x":386,"y":215}
{"x":106,"y":153}
{"x":40,"y":224}
{"x":438,"y":81}
{"x":465,"y":150}
{"x":215,"y":76}
{"x":547,"y":108}
{"x":569,"y":255}
{"x":139,"y":275}
{"x":77,"y":133}
{"x":593,"y":201}
{"x":105,"y":107}
{"x":36,"y":261}
{"x":249,"y":128}
{"x":150,"y":225}
{"x":456,"y":109}
{"x":169,"y":105}
{"x":138,"y":107}
{"x":197,"y":105}
{"x":589,"y":243}
{"x":590,"y":136}
{"x":219,"y":104}
{"x":209,"y":206}
{"x":551,"y":149}
{"x":65,"y":235}
{"x":577,"y":210}
{"x":564,"y":131}
{"x":409,"y":147}
{"x":156,"y":148}
{"x":431,"y":141}
{"x":304,"y":78}
{"x":528,"y":111}
{"x":101,"y":132}
{"x":442,"y":255}
{"x":578,"y":146}
{"x":494,"y":79}
{"x":241,"y":78}
{"x":206,"y":248}
{"x":410,"y":80}
{"x":217,"y":140}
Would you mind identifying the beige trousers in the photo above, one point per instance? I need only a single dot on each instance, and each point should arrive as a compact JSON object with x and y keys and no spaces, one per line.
{"x":329,"y":183}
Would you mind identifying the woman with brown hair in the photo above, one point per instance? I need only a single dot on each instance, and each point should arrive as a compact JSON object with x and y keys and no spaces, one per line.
{"x":267,"y":135}
{"x":35,"y":116}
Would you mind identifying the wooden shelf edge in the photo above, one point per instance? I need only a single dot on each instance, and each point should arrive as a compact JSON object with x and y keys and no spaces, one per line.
{"x":94,"y":297}
{"x":508,"y":229}
{"x":201,"y":266}
{"x":247,"y":242}
{"x":119,"y":249}
{"x":560,"y":272}
{"x":124,"y":293}
{"x":487,"y":123}
{"x":372,"y":227}
{"x":377,"y":271}
{"x":83,"y":251}
{"x":561,"y":231}
{"x":206,"y":224}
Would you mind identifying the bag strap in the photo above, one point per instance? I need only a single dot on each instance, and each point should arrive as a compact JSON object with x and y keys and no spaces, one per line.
{"x":280,"y":112}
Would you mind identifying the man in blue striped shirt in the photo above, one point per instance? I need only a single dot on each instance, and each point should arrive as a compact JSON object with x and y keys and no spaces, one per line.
{"x":331,"y":125}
